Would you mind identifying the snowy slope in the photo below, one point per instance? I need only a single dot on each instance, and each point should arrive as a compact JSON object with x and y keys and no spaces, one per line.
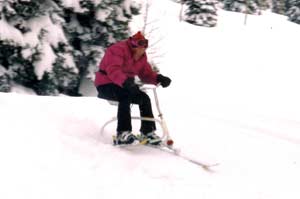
{"x":233,"y":100}
{"x":55,"y":153}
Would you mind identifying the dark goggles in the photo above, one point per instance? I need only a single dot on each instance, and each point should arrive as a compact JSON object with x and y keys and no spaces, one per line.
{"x":139,"y":43}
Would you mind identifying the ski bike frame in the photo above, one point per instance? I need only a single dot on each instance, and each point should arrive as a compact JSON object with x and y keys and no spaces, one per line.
{"x":166,"y":136}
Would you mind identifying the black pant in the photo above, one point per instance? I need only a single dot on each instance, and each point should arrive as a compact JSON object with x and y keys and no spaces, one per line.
{"x":125,"y":99}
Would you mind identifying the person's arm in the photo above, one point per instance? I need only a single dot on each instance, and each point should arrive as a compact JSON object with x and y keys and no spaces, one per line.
{"x":147,"y":75}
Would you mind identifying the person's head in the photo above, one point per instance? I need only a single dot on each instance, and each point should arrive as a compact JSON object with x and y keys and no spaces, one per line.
{"x":138,"y":43}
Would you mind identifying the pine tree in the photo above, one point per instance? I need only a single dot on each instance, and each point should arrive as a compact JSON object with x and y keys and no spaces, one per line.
{"x":264,"y":4}
{"x":94,"y":26}
{"x":201,"y":12}
{"x":59,"y":42}
{"x":4,"y":80}
{"x":33,"y":59}
{"x":243,"y":6}
{"x":293,"y":11}
{"x":10,"y":62}
{"x":279,"y":6}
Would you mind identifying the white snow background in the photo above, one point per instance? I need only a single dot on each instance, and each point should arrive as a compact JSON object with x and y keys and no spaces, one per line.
{"x":234,"y":99}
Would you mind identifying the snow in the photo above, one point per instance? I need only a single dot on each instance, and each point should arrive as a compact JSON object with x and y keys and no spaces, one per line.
{"x":103,"y":14}
{"x":53,"y":35}
{"x":45,"y":63}
{"x":73,"y":4}
{"x":233,"y":100}
{"x":9,"y":33}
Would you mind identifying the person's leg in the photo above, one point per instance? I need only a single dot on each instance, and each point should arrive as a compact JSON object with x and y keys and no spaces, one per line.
{"x":108,"y":92}
{"x":147,"y":127}
{"x":124,"y":113}
{"x":125,"y":99}
{"x":144,"y":102}
{"x":117,"y":93}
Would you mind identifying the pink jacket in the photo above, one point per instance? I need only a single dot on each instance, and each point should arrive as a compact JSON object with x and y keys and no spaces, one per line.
{"x":118,"y":64}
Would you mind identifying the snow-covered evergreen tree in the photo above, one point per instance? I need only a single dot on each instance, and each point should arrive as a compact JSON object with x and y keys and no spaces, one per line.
{"x":57,"y":43}
{"x":279,"y":6}
{"x":94,"y":26}
{"x":4,"y":80}
{"x":293,"y":11}
{"x":264,"y":4}
{"x":36,"y":51}
{"x":243,"y":6}
{"x":201,"y":12}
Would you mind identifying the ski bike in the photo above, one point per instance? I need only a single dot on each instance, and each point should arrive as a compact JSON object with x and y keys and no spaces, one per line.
{"x":166,"y":138}
{"x":167,"y":144}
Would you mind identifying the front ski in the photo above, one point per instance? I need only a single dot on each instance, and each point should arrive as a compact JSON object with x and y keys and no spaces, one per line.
{"x":177,"y":152}
{"x":169,"y":149}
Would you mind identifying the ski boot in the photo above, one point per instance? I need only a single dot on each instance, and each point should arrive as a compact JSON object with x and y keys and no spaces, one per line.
{"x":150,"y":138}
{"x":124,"y":138}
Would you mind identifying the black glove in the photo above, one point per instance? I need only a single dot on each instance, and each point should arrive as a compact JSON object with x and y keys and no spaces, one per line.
{"x":131,"y":86}
{"x":163,"y":80}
